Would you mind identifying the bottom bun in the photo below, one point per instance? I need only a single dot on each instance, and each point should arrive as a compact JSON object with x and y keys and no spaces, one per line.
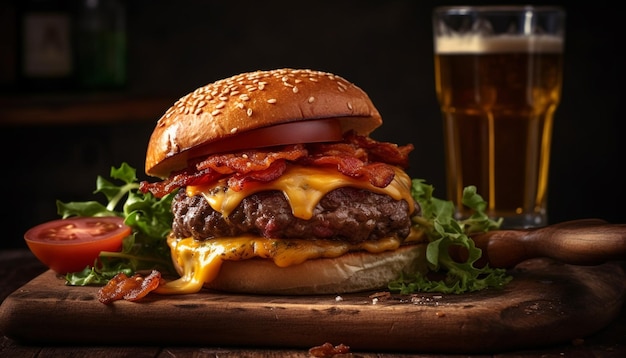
{"x":352,"y":272}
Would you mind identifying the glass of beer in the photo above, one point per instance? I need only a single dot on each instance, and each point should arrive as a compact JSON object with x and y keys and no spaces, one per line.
{"x":498,"y":74}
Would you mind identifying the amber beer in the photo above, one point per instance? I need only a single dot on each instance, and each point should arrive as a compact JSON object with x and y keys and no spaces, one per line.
{"x":498,"y":96}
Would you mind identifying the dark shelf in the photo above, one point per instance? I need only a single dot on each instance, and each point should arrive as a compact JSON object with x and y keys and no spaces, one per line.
{"x":62,"y":109}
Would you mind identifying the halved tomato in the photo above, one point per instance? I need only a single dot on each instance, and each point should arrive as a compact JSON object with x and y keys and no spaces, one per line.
{"x":70,"y":245}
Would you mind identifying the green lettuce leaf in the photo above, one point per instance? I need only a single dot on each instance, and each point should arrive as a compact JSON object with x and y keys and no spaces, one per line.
{"x":437,"y":222}
{"x":149,"y":217}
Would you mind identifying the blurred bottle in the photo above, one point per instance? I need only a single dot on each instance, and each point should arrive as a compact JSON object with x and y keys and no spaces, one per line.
{"x":46,"y":47}
{"x":101,"y":43}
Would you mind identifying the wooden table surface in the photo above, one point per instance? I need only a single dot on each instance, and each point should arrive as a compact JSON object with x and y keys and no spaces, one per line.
{"x":17,"y":267}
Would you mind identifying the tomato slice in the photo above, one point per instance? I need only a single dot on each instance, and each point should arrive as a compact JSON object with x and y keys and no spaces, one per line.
{"x":70,"y":245}
{"x":320,"y":130}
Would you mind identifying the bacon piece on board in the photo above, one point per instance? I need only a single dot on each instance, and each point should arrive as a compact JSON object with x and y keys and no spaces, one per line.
{"x":127,"y":288}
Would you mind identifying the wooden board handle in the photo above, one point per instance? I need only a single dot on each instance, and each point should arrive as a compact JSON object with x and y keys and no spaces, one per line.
{"x":578,"y":242}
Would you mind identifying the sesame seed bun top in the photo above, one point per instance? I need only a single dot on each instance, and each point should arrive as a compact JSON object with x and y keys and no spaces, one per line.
{"x":254,"y":100}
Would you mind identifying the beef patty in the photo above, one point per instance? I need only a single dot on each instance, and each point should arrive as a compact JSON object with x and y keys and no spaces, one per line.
{"x":347,"y":214}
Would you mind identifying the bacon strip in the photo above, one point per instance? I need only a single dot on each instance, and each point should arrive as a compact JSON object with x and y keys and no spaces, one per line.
{"x":178,"y":180}
{"x":378,"y":174}
{"x":129,"y":288}
{"x":250,"y":161}
{"x":274,"y":171}
{"x":328,"y":350}
{"x":383,"y":152}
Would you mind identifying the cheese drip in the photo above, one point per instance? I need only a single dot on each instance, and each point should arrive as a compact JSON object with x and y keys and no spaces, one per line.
{"x":303,"y":187}
{"x":200,"y":261}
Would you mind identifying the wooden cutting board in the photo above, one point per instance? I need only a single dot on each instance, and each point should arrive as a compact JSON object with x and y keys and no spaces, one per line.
{"x":546,"y":303}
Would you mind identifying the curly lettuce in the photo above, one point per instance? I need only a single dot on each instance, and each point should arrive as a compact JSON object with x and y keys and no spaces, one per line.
{"x":447,"y":274}
{"x":150,"y":219}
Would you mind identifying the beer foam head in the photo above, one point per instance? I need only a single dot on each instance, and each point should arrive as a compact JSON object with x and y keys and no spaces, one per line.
{"x":498,"y":44}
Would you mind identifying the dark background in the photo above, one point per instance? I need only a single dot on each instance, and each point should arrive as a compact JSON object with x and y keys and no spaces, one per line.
{"x":385,"y":47}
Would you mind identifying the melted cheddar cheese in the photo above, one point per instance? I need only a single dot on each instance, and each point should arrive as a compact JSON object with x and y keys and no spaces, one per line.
{"x":303,"y":187}
{"x":200,"y":261}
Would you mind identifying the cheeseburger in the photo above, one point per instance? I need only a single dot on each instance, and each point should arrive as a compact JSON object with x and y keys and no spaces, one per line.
{"x":280,"y":189}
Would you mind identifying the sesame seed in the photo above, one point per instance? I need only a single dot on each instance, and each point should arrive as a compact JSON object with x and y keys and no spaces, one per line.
{"x":341,"y":89}
{"x":234,"y":93}
{"x":197,"y":111}
{"x":261,"y":86}
{"x":350,"y":105}
{"x":249,"y":112}
{"x":295,"y":89}
{"x":216,"y":112}
{"x":311,"y":99}
{"x":239,"y":105}
{"x":223,"y":98}
{"x":234,"y":130}
{"x":244,"y":97}
{"x":271,"y":100}
{"x":244,"y":155}
{"x":220,"y":105}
